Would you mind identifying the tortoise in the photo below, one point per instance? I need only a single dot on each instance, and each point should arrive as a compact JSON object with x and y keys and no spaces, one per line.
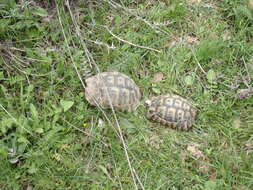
{"x":171,"y":110}
{"x":114,"y":87}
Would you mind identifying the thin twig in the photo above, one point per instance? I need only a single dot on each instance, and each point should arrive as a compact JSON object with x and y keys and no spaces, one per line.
{"x":27,"y":58}
{"x":125,"y":41}
{"x":84,"y":132}
{"x":138,"y":179}
{"x":17,"y":49}
{"x":66,"y":41}
{"x":101,"y":43}
{"x":27,"y":40}
{"x":87,"y":53}
{"x":24,"y":72}
{"x":130,"y":43}
{"x":197,"y":61}
{"x":19,"y":61}
{"x":91,"y":60}
{"x":89,"y":56}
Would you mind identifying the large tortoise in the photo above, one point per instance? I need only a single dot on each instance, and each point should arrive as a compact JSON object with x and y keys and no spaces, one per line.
{"x":112,"y":88}
{"x":171,"y":110}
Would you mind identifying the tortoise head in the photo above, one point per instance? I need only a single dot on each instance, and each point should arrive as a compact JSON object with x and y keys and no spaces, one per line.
{"x":151,"y":109}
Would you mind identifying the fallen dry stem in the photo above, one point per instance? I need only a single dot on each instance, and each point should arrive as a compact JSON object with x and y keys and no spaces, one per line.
{"x":197,"y":61}
{"x":125,"y":41}
{"x":91,"y":60}
{"x":66,"y":41}
{"x":77,"y":30}
{"x":130,"y":43}
{"x":22,"y":71}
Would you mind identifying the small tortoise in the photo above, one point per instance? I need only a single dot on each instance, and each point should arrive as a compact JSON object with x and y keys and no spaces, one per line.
{"x":171,"y":110}
{"x":115,"y":88}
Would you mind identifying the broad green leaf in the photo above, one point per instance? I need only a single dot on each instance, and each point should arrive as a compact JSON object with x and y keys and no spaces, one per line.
{"x":249,"y":67}
{"x":4,"y":90}
{"x":77,"y":55}
{"x":39,"y":130}
{"x":34,"y":111}
{"x":8,"y":3}
{"x":32,"y":169}
{"x":210,"y":185}
{"x":236,"y":123}
{"x":1,"y":75}
{"x":211,"y":76}
{"x":127,"y":125}
{"x":243,"y":11}
{"x":30,"y":88}
{"x":6,"y":124}
{"x":23,"y":139}
{"x":189,"y":80}
{"x":22,"y":147}
{"x":40,"y":12}
{"x":3,"y":152}
{"x":103,"y":169}
{"x":66,"y":105}
{"x":4,"y":25}
{"x":156,"y":90}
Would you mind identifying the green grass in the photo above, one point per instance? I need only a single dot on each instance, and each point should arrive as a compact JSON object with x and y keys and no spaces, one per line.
{"x":51,"y":138}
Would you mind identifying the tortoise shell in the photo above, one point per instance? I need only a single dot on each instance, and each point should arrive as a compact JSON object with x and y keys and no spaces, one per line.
{"x":171,"y":110}
{"x":113,"y":87}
